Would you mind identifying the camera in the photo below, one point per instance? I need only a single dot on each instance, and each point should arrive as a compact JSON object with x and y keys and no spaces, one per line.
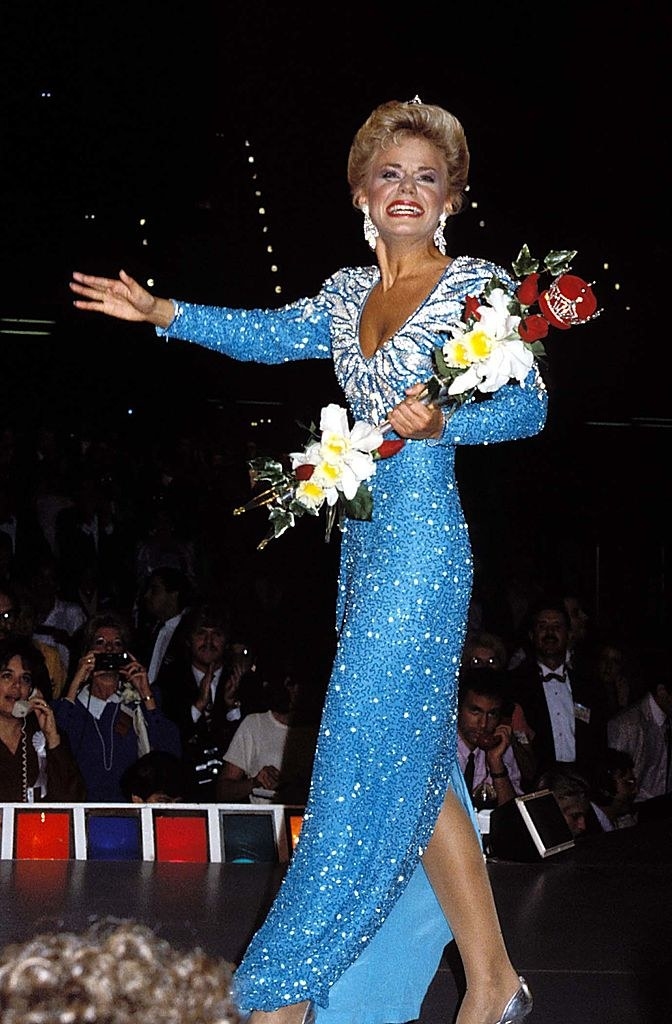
{"x":111,"y":661}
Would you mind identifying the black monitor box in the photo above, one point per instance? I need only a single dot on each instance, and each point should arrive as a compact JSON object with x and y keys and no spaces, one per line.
{"x":529,"y":828}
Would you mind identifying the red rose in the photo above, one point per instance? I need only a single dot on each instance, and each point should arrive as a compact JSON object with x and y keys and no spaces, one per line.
{"x":527,"y":291}
{"x":532,"y":328}
{"x":388,"y":448}
{"x":304,"y":471}
{"x":471,"y":305}
{"x":568,"y":301}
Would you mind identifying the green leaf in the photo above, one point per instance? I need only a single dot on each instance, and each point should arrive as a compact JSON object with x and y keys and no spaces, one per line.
{"x":361,"y":506}
{"x":525,"y":263}
{"x":265,"y":468}
{"x":444,"y":372}
{"x":559,"y":261}
{"x":280,"y":519}
{"x":538,"y":350}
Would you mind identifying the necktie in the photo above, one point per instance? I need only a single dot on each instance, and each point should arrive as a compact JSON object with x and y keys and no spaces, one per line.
{"x":554,"y":675}
{"x":469,"y":772}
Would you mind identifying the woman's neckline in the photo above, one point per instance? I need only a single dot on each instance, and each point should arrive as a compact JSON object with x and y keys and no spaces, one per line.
{"x":447,"y":270}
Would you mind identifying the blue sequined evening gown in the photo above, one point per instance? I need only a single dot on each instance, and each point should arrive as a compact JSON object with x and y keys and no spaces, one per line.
{"x":355,"y":925}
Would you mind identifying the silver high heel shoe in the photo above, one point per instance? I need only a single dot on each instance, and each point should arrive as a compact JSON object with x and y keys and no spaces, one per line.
{"x":309,"y":1013}
{"x":518,"y":1006}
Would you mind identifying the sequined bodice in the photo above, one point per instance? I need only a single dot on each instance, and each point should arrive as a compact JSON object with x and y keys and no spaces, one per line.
{"x":372,"y":386}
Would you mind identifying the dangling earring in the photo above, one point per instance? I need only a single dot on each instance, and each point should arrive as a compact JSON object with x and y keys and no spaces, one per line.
{"x":439,"y":240}
{"x":370,"y":229}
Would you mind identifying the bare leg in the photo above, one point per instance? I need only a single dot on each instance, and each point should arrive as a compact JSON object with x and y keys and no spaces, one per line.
{"x":456,"y":870}
{"x":294,"y":1014}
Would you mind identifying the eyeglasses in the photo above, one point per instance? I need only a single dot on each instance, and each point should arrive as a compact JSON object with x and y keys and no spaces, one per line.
{"x":102,"y":643}
{"x":477,"y":662}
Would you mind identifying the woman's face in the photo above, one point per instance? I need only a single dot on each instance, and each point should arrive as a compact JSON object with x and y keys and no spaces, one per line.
{"x":16,"y":682}
{"x":407,"y":189}
{"x":108,"y":640}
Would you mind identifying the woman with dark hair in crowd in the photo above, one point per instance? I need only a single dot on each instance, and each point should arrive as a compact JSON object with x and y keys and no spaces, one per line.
{"x":35,"y":759}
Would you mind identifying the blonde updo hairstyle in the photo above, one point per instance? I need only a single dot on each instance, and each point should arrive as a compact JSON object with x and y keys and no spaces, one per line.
{"x":391,"y":123}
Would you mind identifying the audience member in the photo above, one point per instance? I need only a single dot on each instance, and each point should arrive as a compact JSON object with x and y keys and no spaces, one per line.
{"x":484,"y":739}
{"x":643,"y":731}
{"x":109,"y":712}
{"x":112,"y":972}
{"x":6,"y":559}
{"x":579,"y":629}
{"x":270,"y":757}
{"x":488,"y":650}
{"x":35,"y":759}
{"x":156,"y":777}
{"x":89,"y":539}
{"x":561,"y":706}
{"x":58,"y":621}
{"x":161,"y":546}
{"x":618,"y":673}
{"x":571,"y":790}
{"x":200,"y":692}
{"x":613,"y":790}
{"x":20,"y":527}
{"x":17,"y":615}
{"x":164,"y":602}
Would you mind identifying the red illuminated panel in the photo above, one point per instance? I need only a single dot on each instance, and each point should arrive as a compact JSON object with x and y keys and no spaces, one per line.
{"x":42,"y":835}
{"x":182,"y":839}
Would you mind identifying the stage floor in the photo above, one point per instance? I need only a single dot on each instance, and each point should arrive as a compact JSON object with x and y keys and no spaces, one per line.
{"x":590,"y":928}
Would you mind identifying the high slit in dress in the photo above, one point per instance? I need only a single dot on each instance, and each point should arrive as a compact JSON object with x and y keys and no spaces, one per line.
{"x":355,"y":925}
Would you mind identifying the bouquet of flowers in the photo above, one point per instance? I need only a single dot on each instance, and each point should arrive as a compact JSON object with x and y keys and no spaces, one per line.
{"x":497,"y":342}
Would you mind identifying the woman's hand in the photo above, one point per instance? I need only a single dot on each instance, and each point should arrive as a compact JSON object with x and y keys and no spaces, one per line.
{"x":46,"y":720}
{"x":87,"y":664}
{"x":136,"y":674}
{"x":414,"y":418}
{"x":122,"y":298}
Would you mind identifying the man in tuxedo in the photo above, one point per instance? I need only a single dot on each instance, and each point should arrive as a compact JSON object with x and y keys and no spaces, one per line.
{"x":560,"y":703}
{"x":166,"y":599}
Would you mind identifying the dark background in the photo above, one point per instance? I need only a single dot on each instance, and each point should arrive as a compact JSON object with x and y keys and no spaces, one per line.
{"x":152,"y":110}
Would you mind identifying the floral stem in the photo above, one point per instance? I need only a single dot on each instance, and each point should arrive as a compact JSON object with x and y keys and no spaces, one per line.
{"x":265,"y":498}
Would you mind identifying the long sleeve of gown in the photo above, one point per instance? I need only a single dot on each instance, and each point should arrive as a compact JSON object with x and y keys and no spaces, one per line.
{"x":299,"y":330}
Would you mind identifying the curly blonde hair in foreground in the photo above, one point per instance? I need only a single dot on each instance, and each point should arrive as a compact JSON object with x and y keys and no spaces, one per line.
{"x":114,"y":972}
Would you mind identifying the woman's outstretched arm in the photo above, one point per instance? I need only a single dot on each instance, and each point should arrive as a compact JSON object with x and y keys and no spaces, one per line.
{"x":122,"y":298}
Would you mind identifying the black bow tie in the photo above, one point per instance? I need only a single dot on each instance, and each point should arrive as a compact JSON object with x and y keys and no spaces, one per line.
{"x":554,"y":675}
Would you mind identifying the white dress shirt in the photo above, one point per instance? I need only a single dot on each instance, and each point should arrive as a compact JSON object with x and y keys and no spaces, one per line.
{"x":640,"y":731}
{"x":163,"y":638}
{"x":560,"y":702}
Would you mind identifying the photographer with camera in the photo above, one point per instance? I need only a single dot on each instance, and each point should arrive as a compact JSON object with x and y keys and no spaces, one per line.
{"x":484,"y":738}
{"x":109,"y":712}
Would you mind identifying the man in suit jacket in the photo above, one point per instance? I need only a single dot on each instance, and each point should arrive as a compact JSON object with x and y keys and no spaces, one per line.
{"x":165,"y":601}
{"x":561,"y":705}
{"x":643,"y":732}
{"x":199,"y":691}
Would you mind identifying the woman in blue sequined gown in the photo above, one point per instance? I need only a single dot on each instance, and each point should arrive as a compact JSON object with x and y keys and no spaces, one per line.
{"x":389,"y":865}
